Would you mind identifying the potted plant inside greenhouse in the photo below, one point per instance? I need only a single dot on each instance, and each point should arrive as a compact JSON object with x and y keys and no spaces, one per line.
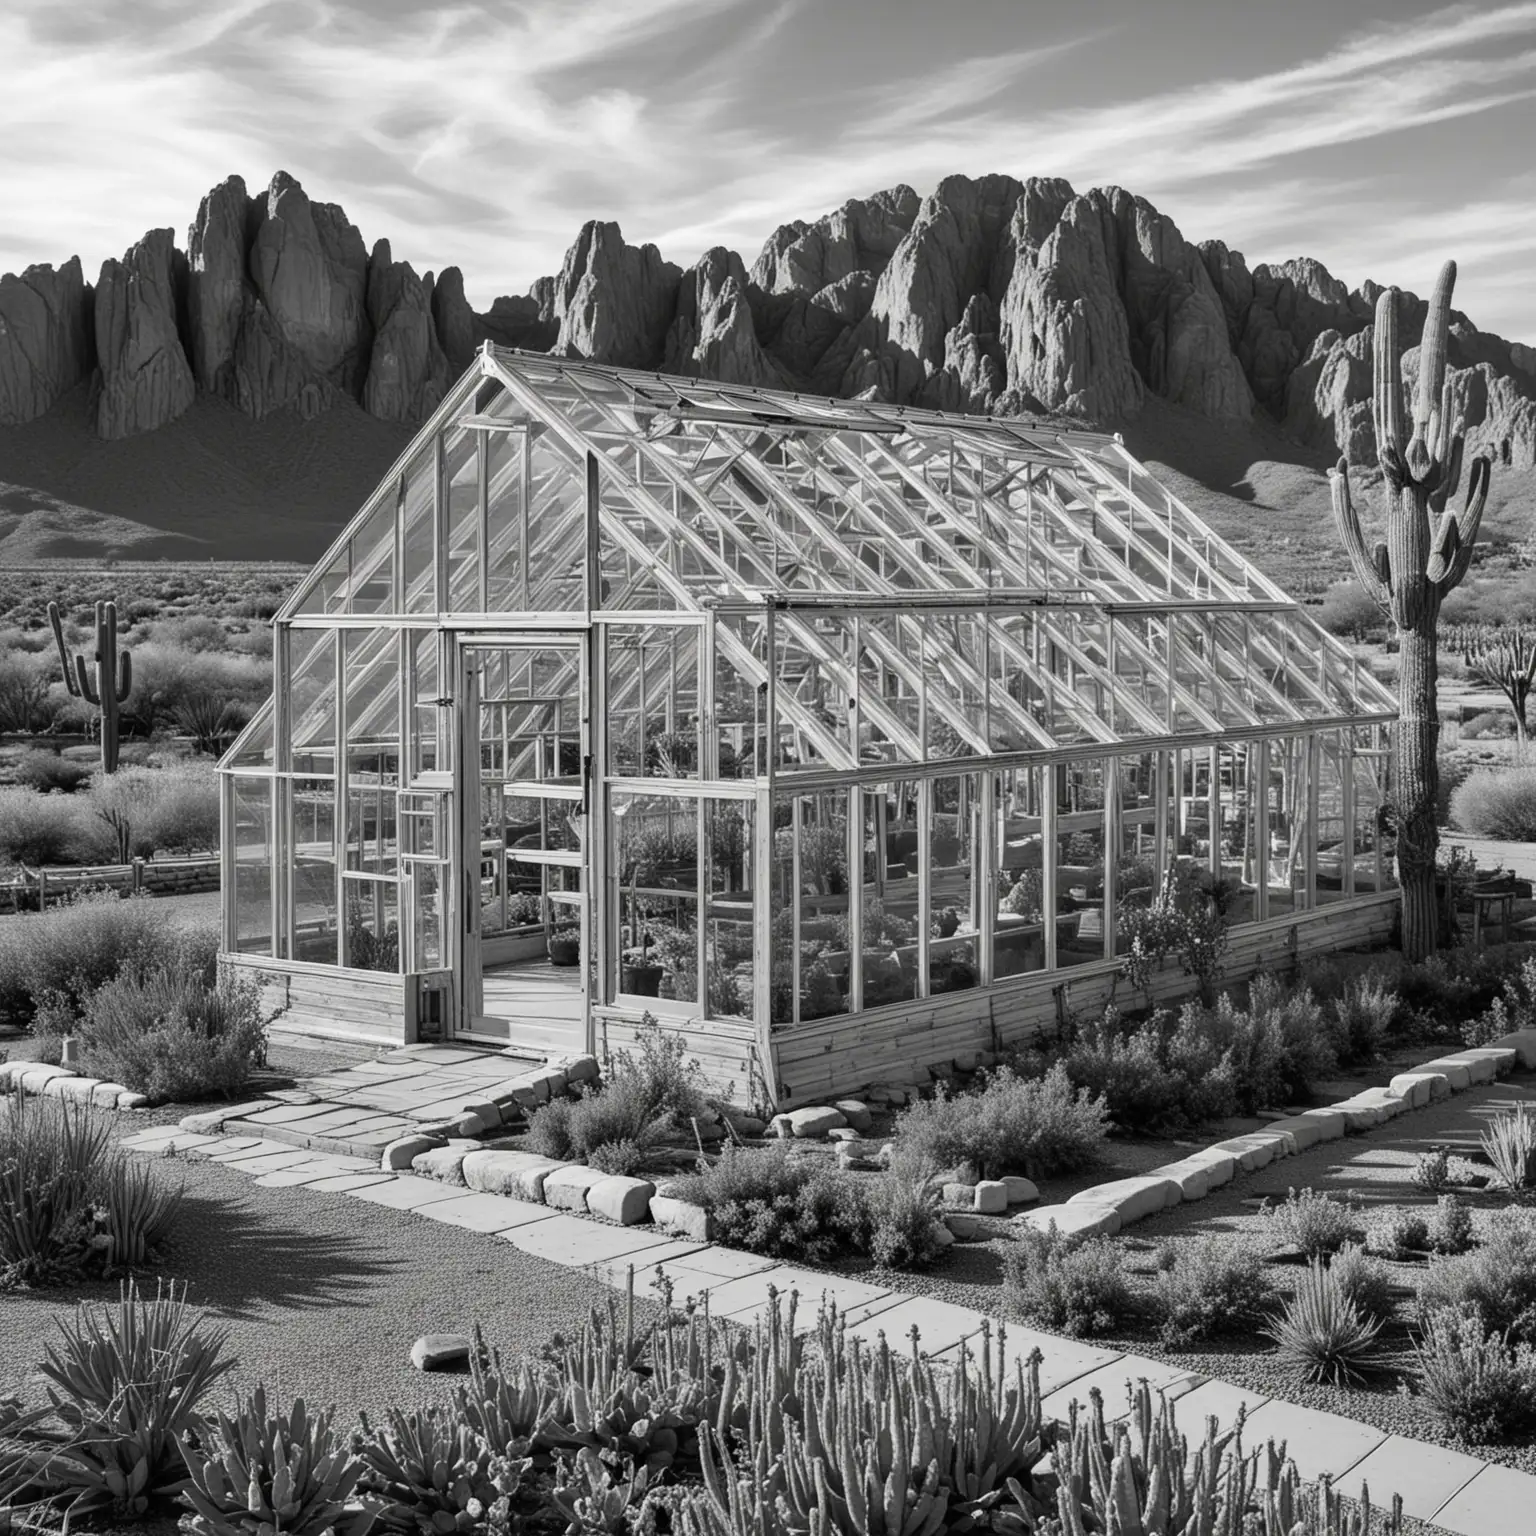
{"x":640,"y":975}
{"x":564,"y":943}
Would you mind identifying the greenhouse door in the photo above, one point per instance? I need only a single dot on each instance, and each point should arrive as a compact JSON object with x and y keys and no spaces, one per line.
{"x":524,"y":769}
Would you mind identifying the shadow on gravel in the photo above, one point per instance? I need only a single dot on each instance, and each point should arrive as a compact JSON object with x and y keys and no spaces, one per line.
{"x":243,"y":1261}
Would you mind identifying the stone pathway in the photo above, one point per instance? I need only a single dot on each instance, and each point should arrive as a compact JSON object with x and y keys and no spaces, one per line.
{"x":1449,"y":1489}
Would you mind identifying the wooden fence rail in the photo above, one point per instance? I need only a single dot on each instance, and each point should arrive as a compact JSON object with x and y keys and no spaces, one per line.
{"x":30,"y":890}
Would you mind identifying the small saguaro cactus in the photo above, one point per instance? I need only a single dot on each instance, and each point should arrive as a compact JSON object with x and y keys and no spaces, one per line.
{"x":1503,"y":658}
{"x":105,"y":681}
{"x":1425,"y":554}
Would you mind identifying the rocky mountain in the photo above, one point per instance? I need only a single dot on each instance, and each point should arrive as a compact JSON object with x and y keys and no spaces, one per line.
{"x":989,"y":295}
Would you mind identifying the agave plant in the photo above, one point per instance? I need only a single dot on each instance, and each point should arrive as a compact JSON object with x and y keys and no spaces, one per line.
{"x":1509,"y":1144}
{"x":437,"y":1475}
{"x":126,"y":1383}
{"x":597,"y":1503}
{"x":256,"y":1475}
{"x":1321,"y":1333}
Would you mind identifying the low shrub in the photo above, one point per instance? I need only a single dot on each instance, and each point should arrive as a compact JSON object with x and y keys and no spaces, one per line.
{"x":1076,"y":1285}
{"x":1434,"y":1171}
{"x":665,"y":1077}
{"x":1012,"y":1124}
{"x":49,"y":772}
{"x":1475,"y":1382}
{"x":1322,"y":1335}
{"x":1509,"y":1144}
{"x":608,"y":1126}
{"x":1348,"y":610}
{"x":38,"y":829}
{"x":1363,"y":1281}
{"x":1278,"y":1045}
{"x":1362,"y":1017}
{"x":902,"y":1215}
{"x":771,"y":1202}
{"x":1397,"y":1234}
{"x":1498,"y":804}
{"x":1209,"y":1289}
{"x":1513,"y":1009}
{"x":1489,"y":725}
{"x":1497,"y":1279}
{"x":1450,"y":1228}
{"x":1316,"y":1224}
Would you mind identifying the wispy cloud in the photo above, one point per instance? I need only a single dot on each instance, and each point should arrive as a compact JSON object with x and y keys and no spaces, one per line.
{"x":483,"y":131}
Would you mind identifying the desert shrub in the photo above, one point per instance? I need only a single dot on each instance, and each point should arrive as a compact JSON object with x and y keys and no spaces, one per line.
{"x":902,"y":1212}
{"x":1361,"y":1017}
{"x":37,"y":829}
{"x":1497,"y":804}
{"x":1497,"y":1279}
{"x":1278,"y":1045}
{"x":127,"y":1383}
{"x":1208,"y":1289}
{"x":139,"y":811}
{"x":1437,"y":1171}
{"x":1396,"y":1234}
{"x":1321,"y":1334}
{"x":1460,"y":985}
{"x":1475,"y":1382}
{"x":1490,"y":725}
{"x":770,"y":1202}
{"x":1317,"y":1224}
{"x":1347,"y":609}
{"x":173,"y":1032}
{"x":26,"y":704}
{"x":70,"y":950}
{"x":1012,"y":1124}
{"x":605,"y":1126}
{"x":1514,"y":1008}
{"x":1450,"y":1228}
{"x":50,"y":772}
{"x":549,"y":1130}
{"x":1509,"y":1144}
{"x":1124,"y":1065}
{"x":665,"y":1077}
{"x":1363,"y":1281}
{"x":1076,"y":1285}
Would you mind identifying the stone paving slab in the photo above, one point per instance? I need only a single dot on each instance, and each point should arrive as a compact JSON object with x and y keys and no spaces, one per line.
{"x":940,"y":1324}
{"x":406,"y":1194}
{"x":346,"y":1183}
{"x":1497,"y":1502}
{"x":305,"y":1173}
{"x":270,"y":1162}
{"x":1319,"y":1443}
{"x":1114,"y":1380}
{"x":1426,"y":1476}
{"x":481,"y":1213}
{"x":744,"y":1297}
{"x":244,"y":1146}
{"x":645,"y":1262}
{"x":726,"y":1263}
{"x":578,"y":1243}
{"x":1219,"y":1399}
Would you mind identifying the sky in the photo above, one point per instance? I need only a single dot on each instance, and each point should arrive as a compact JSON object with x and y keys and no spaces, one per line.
{"x":1378,"y":136}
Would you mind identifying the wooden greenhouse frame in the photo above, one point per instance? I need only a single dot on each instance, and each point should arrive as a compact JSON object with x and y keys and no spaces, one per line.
{"x":837,"y":736}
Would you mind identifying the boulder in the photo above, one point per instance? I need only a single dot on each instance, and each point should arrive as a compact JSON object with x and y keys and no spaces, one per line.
{"x":991,"y":1197}
{"x":621,"y":1199}
{"x":1021,"y":1191}
{"x":565,"y":1188}
{"x":399,"y":1155}
{"x":961,"y":1196}
{"x":494,"y":1172}
{"x":1133,"y":1198}
{"x":36,"y":1074}
{"x":578,"y":1069}
{"x":1255,"y":1150}
{"x":46,"y":338}
{"x":679,"y":1216}
{"x":107,"y":1095}
{"x":145,"y":379}
{"x":1080,"y":1219}
{"x":443,"y":1163}
{"x":855,"y":1112}
{"x":440,"y":1351}
{"x":965,"y":1228}
{"x":1523,"y":1044}
{"x":79,"y":1090}
{"x":806,"y":1124}
{"x":1457,"y":1073}
{"x":131,"y":1100}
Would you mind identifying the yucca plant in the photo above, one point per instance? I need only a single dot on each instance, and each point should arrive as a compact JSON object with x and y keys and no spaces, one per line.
{"x":435,"y":1474}
{"x":1321,"y":1333}
{"x":1509,"y":1144}
{"x":257,"y":1475}
{"x":138,"y":1208}
{"x":126,"y":1384}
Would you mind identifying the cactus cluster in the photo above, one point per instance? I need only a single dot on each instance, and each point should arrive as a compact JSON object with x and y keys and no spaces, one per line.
{"x":105,"y":682}
{"x":1424,"y":555}
{"x":1502,"y":657}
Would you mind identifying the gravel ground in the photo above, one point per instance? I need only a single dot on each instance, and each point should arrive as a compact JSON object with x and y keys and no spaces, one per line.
{"x":324,"y":1295}
{"x":1373,"y":1169}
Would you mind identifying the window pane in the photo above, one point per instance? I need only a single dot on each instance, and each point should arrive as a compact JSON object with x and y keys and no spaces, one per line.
{"x":373,"y":925}
{"x":954,"y":874}
{"x":888,"y":944}
{"x":1018,"y":944}
{"x":462,"y":472}
{"x":1080,"y":851}
{"x":728,"y":939}
{"x":314,"y":870}
{"x":254,"y":853}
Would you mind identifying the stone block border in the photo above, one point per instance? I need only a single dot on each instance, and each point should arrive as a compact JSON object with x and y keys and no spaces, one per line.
{"x":39,"y":1078}
{"x":1107,"y":1208}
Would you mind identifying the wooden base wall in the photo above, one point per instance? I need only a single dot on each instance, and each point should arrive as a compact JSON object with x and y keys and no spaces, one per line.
{"x":727,"y":1053}
{"x":836,"y":1057}
{"x":329,"y":1004}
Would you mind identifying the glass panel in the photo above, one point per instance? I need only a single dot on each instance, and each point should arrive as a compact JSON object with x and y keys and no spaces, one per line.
{"x":557,"y":545}
{"x":954,"y":872}
{"x":254,"y":748}
{"x":888,"y":943}
{"x":1240,"y":807}
{"x":1018,"y":943}
{"x":372,"y":842}
{"x":371,"y":551}
{"x":426,"y":717}
{"x":653,"y":702}
{"x":728,"y":934}
{"x":1333,"y":853}
{"x":428,"y":915}
{"x":254,"y":852}
{"x":1373,"y":852}
{"x":506,"y":570}
{"x":420,"y":489}
{"x":1080,"y":790}
{"x":373,"y":925}
{"x":810,"y":942}
{"x":462,"y":472}
{"x":314,"y":870}
{"x":657,"y":868}
{"x":1136,"y":841}
{"x":312,"y":699}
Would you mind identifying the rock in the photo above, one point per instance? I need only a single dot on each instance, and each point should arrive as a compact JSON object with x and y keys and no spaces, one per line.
{"x":806,"y":1124}
{"x":842,"y":1133}
{"x":440,"y":1351}
{"x":517,"y":1175}
{"x":453,"y":320}
{"x":967,"y":1061}
{"x":855,"y":1112}
{"x":399,"y":1155}
{"x":443,"y":1163}
{"x":218,"y":291}
{"x":35,"y":1074}
{"x":578,"y":1069}
{"x":1133,"y":1198}
{"x":107,"y":1095}
{"x":620,"y":1199}
{"x":1021,"y":1191}
{"x":713,"y":335}
{"x":962,"y":1196}
{"x":47,"y":338}
{"x":566,"y":1187}
{"x":487,"y":1111}
{"x":146,"y":381}
{"x":691,"y":1221}
{"x":1523,"y":1044}
{"x":79,"y":1090}
{"x":991,"y":1197}
{"x":860,"y":237}
{"x":943,"y":1234}
{"x":965,"y":1228}
{"x":407,"y":372}
{"x":130,"y":1100}
{"x":614,"y":301}
{"x":1081,"y":1219}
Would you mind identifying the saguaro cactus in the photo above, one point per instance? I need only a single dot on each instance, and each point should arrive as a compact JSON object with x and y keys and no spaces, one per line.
{"x":1425,"y":554}
{"x":105,"y":682}
{"x":1503,"y":658}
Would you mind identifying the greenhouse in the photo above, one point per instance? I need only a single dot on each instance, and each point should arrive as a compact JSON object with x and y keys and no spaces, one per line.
{"x":841,"y":737}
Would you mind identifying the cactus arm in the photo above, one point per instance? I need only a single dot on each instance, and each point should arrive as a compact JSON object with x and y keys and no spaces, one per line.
{"x":56,"y":619}
{"x":1432,"y":356}
{"x":1367,"y":570}
{"x":1386,"y":397}
{"x":125,"y":676}
{"x":1468,"y":520}
{"x":1444,"y":551}
{"x":84,"y":687}
{"x":1450,"y":479}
